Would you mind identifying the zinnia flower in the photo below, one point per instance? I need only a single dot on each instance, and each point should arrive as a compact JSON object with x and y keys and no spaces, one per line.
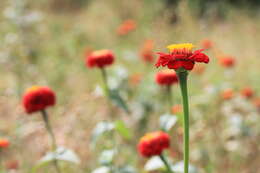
{"x":181,"y":56}
{"x":166,"y":77}
{"x":100,"y":58}
{"x":227,"y":61}
{"x":126,"y":27}
{"x":146,"y":52}
{"x":4,"y":143}
{"x":227,"y":94}
{"x":38,"y":98}
{"x":135,"y":79}
{"x":256,"y":102}
{"x":153,"y":144}
{"x":247,"y":92}
{"x":176,"y":109}
{"x":12,"y":165}
{"x":206,"y":44}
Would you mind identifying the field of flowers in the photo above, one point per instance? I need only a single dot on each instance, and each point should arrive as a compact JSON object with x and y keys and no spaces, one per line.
{"x":113,"y":86}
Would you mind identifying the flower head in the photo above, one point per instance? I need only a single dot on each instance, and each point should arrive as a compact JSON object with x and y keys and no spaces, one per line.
{"x":247,"y":92}
{"x":100,"y":58}
{"x":256,"y":102}
{"x":38,"y":98}
{"x":227,"y":94}
{"x":176,"y":109}
{"x":153,"y":144}
{"x":146,"y":52}
{"x":12,"y":164}
{"x":166,"y":77}
{"x":227,"y":61}
{"x":206,"y":44}
{"x":126,"y":27}
{"x":4,"y":143}
{"x":181,"y":56}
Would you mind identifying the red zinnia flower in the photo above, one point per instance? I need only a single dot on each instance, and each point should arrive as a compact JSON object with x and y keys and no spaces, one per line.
{"x":38,"y":98}
{"x":247,"y":92}
{"x":181,"y":56}
{"x":126,"y":27}
{"x":100,"y":58}
{"x":4,"y":143}
{"x":166,"y":77}
{"x":227,"y":61}
{"x":206,"y":44}
{"x":153,"y":144}
{"x":147,"y":51}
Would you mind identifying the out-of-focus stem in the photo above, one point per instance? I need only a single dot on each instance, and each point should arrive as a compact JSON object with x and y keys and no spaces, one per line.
{"x":104,"y":77}
{"x":183,"y":84}
{"x":53,"y":139}
{"x":168,"y":167}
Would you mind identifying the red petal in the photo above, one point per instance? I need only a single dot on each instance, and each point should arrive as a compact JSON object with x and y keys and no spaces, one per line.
{"x":201,"y":57}
{"x":188,"y":65}
{"x":174,"y":64}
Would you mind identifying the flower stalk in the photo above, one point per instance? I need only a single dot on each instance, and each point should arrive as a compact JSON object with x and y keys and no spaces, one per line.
{"x":53,"y":139}
{"x":182,"y":74}
{"x":167,"y":165}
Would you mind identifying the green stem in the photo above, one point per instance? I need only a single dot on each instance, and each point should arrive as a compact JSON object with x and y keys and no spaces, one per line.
{"x":104,"y":77}
{"x":183,"y":84}
{"x":168,"y":167}
{"x":53,"y":139}
{"x":169,"y":96}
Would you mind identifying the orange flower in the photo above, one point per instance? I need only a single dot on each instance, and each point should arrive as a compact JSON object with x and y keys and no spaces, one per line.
{"x":100,"y":58}
{"x":153,"y":144}
{"x":227,"y":61}
{"x":147,"y":51}
{"x":256,"y":102}
{"x":176,"y":109}
{"x":12,"y":164}
{"x":126,"y":27}
{"x":4,"y":143}
{"x":135,"y":79}
{"x":247,"y":92}
{"x":166,"y":77}
{"x":38,"y":98}
{"x":206,"y":44}
{"x":227,"y":94}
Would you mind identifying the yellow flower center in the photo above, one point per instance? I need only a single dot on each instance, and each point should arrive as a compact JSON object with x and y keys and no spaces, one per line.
{"x":150,"y":136}
{"x":33,"y":88}
{"x":100,"y":52}
{"x":181,"y":47}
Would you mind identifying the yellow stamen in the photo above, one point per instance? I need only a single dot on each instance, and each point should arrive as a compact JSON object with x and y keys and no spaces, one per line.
{"x":180,"y":47}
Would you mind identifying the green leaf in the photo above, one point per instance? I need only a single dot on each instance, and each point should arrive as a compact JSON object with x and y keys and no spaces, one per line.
{"x":167,"y":121}
{"x":100,"y":129}
{"x":123,"y":130}
{"x":61,"y":154}
{"x":118,"y":100}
